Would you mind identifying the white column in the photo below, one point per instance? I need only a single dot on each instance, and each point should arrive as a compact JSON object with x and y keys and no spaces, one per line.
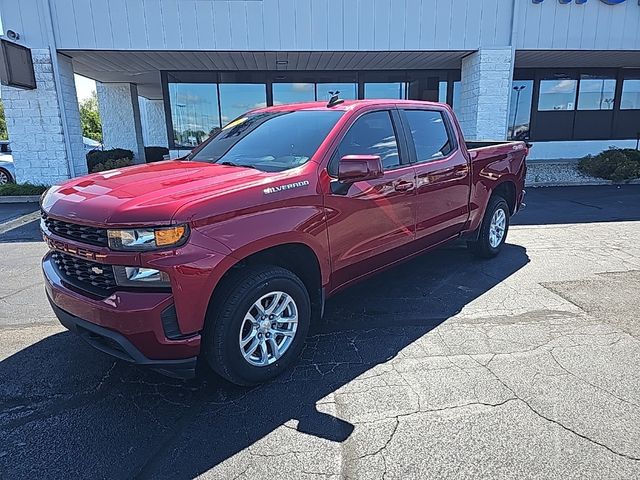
{"x":120,"y":115}
{"x":154,"y":123}
{"x":485,"y":93}
{"x":44,"y":124}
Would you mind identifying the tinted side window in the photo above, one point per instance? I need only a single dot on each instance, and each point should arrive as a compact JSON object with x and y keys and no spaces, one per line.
{"x":429,"y":133}
{"x":371,"y":134}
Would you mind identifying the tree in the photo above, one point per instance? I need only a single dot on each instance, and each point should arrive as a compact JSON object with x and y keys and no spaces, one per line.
{"x":4,"y":135}
{"x":90,"y":118}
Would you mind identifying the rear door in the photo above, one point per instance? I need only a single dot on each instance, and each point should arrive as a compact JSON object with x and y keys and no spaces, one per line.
{"x":368,"y":221}
{"x":442,"y":174}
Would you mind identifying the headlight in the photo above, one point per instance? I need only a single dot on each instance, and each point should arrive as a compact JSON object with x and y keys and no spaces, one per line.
{"x":142,"y":239}
{"x":140,"y":277}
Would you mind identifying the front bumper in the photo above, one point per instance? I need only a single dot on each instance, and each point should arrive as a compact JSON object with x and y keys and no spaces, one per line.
{"x":127,"y":325}
{"x":117,"y":345}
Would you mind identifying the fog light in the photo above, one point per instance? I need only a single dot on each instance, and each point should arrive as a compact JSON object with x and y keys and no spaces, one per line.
{"x":140,"y":277}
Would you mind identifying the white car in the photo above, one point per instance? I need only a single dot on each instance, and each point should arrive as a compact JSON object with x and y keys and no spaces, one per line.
{"x":7,"y":170}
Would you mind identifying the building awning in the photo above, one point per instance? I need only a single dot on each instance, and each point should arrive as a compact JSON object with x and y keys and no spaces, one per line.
{"x":143,"y":67}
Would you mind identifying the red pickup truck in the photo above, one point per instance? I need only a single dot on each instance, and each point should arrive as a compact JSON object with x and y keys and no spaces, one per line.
{"x":225,"y":257}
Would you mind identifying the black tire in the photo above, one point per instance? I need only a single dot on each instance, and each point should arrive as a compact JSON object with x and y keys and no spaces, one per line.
{"x":7,"y":175}
{"x":225,"y":317}
{"x":482,"y":246}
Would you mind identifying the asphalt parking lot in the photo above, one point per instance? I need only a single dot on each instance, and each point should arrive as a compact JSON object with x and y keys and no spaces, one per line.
{"x":525,"y":366}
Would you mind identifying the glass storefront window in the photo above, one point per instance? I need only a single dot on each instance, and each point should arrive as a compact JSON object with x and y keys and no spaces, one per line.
{"x":630,"y":95}
{"x":457,"y":93}
{"x":348,"y":91}
{"x":238,"y":98}
{"x":293,"y":93}
{"x":596,"y":93}
{"x":442,"y":92}
{"x":520,"y":109}
{"x":395,"y":90}
{"x":194,"y":111}
{"x":557,"y":94}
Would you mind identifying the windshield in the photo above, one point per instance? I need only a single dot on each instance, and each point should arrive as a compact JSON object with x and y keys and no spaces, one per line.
{"x":270,"y":141}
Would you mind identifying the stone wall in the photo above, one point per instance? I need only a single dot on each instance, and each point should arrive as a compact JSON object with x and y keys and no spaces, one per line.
{"x":154,"y":123}
{"x":37,"y":124}
{"x":120,"y":115}
{"x":485,"y":93}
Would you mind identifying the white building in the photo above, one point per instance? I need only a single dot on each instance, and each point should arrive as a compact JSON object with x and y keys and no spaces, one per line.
{"x":565,"y":74}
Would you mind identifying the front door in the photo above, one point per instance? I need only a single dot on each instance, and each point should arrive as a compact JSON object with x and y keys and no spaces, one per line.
{"x":370,"y":221}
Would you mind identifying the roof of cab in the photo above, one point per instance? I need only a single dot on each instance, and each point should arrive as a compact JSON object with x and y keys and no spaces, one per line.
{"x":345,"y":105}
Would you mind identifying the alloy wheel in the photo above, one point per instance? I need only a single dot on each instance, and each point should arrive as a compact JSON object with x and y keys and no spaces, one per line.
{"x":268,"y":329}
{"x":497,"y":227}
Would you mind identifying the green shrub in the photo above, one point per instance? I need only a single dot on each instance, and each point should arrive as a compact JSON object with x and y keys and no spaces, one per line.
{"x":111,"y":164}
{"x":632,"y":154}
{"x":21,"y":189}
{"x":155,"y":154}
{"x":614,"y":164}
{"x":95,"y":157}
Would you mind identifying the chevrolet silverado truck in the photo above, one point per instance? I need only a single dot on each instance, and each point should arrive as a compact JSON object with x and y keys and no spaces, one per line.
{"x":223,"y":258}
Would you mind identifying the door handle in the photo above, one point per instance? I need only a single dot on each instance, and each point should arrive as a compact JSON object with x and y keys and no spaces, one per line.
{"x":403,"y":186}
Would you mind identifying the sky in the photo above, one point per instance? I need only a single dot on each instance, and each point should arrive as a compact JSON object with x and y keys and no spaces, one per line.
{"x":84,"y":87}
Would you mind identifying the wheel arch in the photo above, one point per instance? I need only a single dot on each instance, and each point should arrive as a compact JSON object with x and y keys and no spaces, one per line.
{"x":296,"y":256}
{"x":507,"y":190}
{"x":10,"y":177}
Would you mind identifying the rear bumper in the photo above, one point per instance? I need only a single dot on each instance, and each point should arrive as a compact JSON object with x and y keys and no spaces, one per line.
{"x":117,"y":345}
{"x":520,"y":202}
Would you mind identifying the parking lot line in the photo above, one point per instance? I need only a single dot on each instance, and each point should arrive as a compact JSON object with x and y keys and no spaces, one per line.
{"x":18,"y":222}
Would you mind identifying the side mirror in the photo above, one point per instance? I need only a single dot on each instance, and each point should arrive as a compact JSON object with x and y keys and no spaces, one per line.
{"x":357,"y":168}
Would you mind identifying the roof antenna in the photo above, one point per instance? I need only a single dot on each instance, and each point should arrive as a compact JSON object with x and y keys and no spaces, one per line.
{"x":335,"y":99}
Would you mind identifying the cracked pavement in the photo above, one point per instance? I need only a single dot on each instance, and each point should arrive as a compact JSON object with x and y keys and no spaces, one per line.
{"x":446,"y":367}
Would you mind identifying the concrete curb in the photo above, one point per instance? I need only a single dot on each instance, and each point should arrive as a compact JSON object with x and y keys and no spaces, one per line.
{"x":20,"y":199}
{"x":580,"y":184}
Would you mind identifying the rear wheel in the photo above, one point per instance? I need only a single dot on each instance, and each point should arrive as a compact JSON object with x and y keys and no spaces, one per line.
{"x":494,"y":229}
{"x":257,"y":326}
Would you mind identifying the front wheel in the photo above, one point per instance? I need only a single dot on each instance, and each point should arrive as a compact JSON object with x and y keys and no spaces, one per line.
{"x":494,"y":229}
{"x":5,"y":177}
{"x":257,"y":326}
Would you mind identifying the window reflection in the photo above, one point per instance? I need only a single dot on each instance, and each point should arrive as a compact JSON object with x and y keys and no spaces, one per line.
{"x":596,"y":93}
{"x":429,"y":135}
{"x":520,"y":109}
{"x":194,"y":111}
{"x":293,"y":93}
{"x":558,"y":94}
{"x":238,"y":98}
{"x":442,"y":91}
{"x":630,"y":95}
{"x":457,"y":95}
{"x":372,"y":134}
{"x":257,"y":140}
{"x":395,"y":90}
{"x":348,"y":91}
{"x":426,"y":88}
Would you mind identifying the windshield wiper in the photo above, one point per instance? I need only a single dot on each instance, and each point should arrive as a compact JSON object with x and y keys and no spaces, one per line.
{"x":231,"y":164}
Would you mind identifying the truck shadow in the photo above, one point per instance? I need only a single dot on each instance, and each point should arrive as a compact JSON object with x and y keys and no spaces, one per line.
{"x":68,"y":410}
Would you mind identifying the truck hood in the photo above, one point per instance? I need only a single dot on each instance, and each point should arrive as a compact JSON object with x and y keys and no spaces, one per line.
{"x":146,"y":194}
